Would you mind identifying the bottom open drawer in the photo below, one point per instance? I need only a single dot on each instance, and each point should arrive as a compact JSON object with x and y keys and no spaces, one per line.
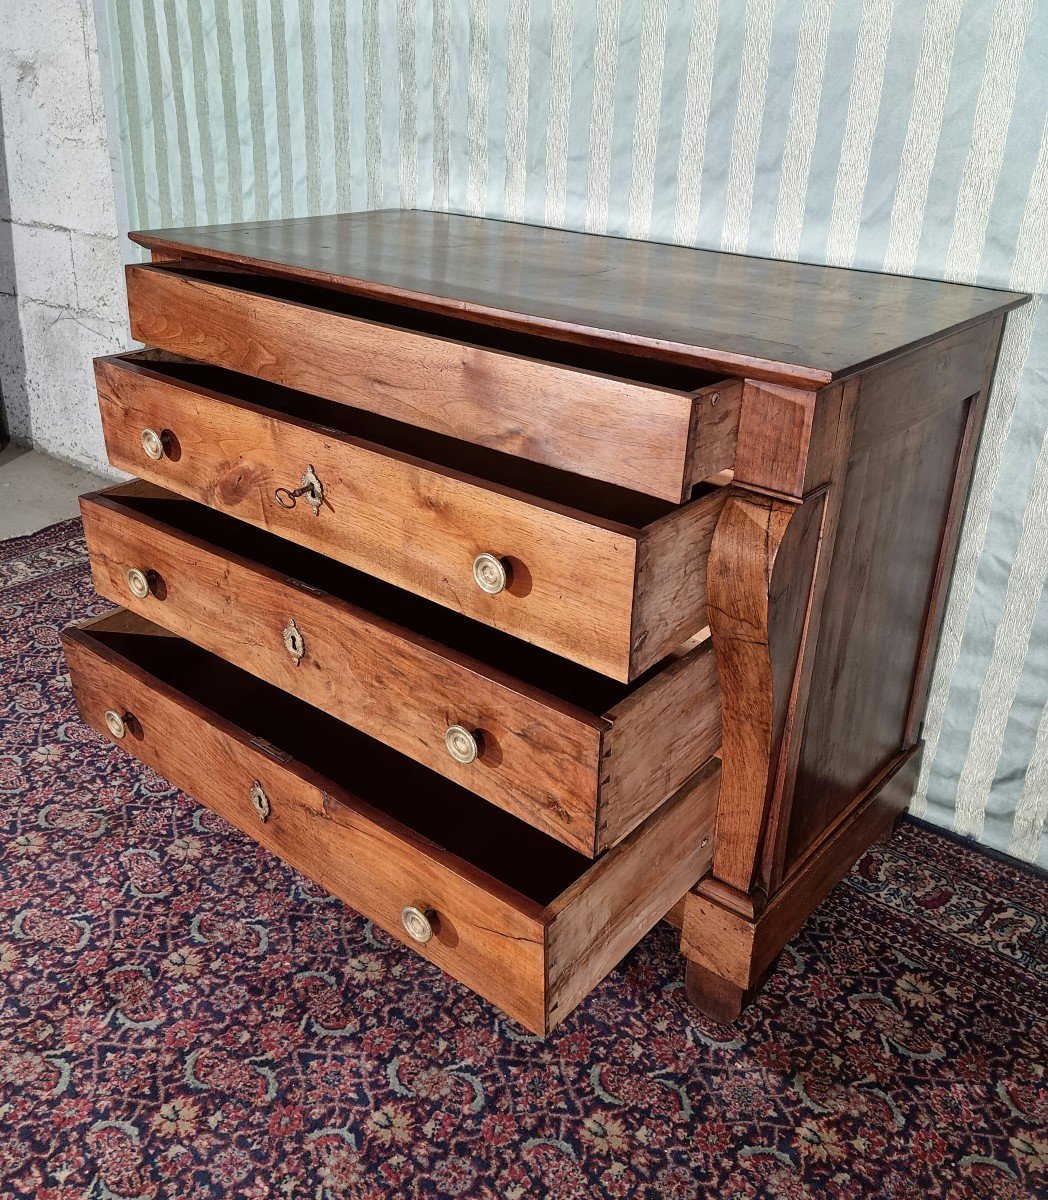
{"x":522,"y":919}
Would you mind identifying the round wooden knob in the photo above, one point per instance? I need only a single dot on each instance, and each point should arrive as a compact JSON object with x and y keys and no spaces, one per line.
{"x":418,"y":922}
{"x":115,"y":723}
{"x":461,"y":744}
{"x":489,"y":573}
{"x":138,"y":583}
{"x":152,"y":444}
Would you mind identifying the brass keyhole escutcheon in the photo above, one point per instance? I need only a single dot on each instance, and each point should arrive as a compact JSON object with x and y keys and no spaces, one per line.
{"x":294,"y":642}
{"x":489,"y":573}
{"x":417,"y":920}
{"x":462,"y":744}
{"x":310,"y":487}
{"x":138,"y":582}
{"x":260,"y":801}
{"x":152,"y":444}
{"x":115,"y":723}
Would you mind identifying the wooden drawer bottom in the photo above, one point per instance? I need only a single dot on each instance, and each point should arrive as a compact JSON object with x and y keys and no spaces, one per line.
{"x":522,"y":919}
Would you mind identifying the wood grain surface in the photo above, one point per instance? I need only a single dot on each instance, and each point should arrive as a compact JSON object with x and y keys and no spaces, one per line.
{"x":902,"y":491}
{"x":492,"y":941}
{"x":825,"y":610}
{"x":535,"y":960}
{"x":670,"y":591}
{"x":660,"y":733}
{"x":575,"y":585}
{"x":600,"y":918}
{"x":714,"y":437}
{"x":784,"y":322}
{"x":742,"y":562}
{"x":584,"y":772}
{"x":739,"y":949}
{"x":568,"y":417}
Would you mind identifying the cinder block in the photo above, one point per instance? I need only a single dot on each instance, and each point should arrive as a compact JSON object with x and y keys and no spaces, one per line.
{"x":99,"y":277}
{"x":57,"y":155}
{"x":43,"y":265}
{"x":59,"y":346}
{"x":12,"y":370}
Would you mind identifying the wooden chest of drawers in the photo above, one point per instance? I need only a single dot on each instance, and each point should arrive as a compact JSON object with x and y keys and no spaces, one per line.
{"x":524,"y":587}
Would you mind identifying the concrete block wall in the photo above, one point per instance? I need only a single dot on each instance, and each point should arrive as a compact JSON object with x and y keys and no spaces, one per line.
{"x":61,"y":284}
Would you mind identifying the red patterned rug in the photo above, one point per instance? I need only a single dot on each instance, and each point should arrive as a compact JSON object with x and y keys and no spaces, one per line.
{"x":183,"y":1016}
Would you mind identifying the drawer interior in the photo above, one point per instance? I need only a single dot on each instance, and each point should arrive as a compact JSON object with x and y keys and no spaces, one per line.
{"x":639,"y":369}
{"x":552,"y":674}
{"x":500,"y":845}
{"x":590,"y":496}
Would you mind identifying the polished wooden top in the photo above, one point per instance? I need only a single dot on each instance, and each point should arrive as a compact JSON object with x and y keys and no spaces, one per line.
{"x":779,"y":321}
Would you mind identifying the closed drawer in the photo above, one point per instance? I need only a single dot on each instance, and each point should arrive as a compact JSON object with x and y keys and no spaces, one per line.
{"x":571,"y":752}
{"x":649,"y":426}
{"x":515,"y":915}
{"x":609,"y":578}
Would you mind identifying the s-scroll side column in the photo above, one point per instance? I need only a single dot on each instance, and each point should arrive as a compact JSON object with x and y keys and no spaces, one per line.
{"x":760,"y":579}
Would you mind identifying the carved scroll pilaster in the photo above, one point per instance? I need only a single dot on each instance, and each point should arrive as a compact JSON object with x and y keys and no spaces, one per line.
{"x":759,"y":596}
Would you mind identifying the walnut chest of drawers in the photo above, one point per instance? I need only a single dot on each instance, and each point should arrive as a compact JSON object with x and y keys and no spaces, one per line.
{"x":524,"y":587}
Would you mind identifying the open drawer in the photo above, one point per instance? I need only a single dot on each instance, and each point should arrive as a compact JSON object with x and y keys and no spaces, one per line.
{"x":518,"y":917}
{"x":578,"y":755}
{"x":612,"y":579}
{"x":649,"y":426}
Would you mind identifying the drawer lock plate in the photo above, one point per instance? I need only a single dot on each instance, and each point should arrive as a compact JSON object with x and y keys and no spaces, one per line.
{"x":310,"y":487}
{"x":274,"y":752}
{"x":294,"y":642}
{"x":260,"y":801}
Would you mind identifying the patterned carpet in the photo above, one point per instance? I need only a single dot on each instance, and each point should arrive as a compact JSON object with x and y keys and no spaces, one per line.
{"x":182,"y":1016}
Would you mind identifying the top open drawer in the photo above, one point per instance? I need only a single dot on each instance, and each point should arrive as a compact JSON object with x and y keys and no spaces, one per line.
{"x":650,"y":426}
{"x":611,"y":579}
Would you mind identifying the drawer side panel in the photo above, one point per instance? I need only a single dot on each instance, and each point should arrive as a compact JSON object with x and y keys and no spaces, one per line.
{"x":671,"y":579}
{"x":602,"y":917}
{"x":660,"y":736}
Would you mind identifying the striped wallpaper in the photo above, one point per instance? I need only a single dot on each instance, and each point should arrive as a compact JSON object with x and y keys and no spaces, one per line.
{"x":896,"y":135}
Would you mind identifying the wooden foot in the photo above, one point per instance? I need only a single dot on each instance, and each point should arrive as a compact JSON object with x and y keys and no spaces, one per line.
{"x":886,"y":834}
{"x":720,"y":999}
{"x":732,"y":952}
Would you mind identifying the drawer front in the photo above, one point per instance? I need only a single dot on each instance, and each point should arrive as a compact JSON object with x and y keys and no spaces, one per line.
{"x":575,"y":420}
{"x":491,"y":943}
{"x":571,"y":577}
{"x":538,"y":758}
{"x":585,"y":766}
{"x":534,"y":960}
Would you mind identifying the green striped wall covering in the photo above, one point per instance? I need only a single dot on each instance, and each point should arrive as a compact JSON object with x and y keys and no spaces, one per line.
{"x":901,"y":136}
